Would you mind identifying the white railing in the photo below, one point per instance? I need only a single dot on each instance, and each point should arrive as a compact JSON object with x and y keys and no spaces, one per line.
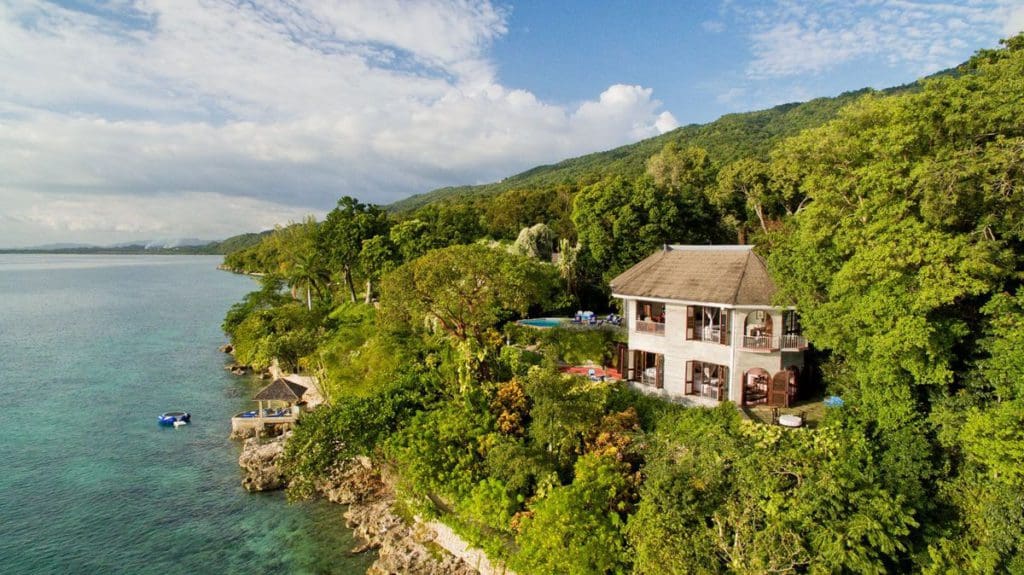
{"x":767,"y":343}
{"x":709,"y":333}
{"x":794,"y":341}
{"x":650,"y":327}
{"x":757,"y":343}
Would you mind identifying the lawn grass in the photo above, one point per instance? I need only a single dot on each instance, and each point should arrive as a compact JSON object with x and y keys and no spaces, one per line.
{"x":813,"y":411}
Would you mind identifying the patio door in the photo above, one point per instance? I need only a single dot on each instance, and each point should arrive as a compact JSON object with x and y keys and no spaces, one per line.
{"x":779,"y":395}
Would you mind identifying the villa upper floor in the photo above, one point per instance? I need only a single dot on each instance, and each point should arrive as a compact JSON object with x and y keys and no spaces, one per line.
{"x":711,"y":298}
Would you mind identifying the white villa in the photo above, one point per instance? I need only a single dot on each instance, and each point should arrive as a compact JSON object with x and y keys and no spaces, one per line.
{"x":702,"y":327}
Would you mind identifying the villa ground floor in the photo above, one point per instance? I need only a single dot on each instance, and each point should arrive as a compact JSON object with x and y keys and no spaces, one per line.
{"x":745,"y":378}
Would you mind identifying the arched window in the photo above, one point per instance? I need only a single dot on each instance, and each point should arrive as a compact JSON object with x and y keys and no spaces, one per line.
{"x":756,"y":385}
{"x":757,"y":330}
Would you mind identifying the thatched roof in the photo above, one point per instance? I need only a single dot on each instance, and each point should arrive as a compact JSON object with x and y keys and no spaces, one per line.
{"x":731,"y":275}
{"x":281,"y":390}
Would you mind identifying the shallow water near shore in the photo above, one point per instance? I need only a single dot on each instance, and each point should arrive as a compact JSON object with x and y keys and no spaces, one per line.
{"x":92,"y":349}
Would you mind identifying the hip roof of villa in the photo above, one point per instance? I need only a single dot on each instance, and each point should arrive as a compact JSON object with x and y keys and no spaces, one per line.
{"x":730,"y":275}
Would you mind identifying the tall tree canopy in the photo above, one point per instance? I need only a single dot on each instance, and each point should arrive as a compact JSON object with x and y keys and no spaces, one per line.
{"x":898,"y":262}
{"x":342,"y":233}
{"x":622,"y":221}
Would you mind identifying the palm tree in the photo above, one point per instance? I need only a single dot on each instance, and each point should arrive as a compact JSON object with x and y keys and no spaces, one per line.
{"x":308,"y":271}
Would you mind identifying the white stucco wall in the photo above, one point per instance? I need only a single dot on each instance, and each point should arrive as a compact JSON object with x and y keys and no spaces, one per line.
{"x":678,"y":350}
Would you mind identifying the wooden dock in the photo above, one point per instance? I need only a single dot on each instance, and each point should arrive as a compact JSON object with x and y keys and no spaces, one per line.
{"x":248,"y":426}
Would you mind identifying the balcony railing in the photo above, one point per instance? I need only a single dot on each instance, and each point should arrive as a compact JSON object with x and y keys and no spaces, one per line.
{"x":794,"y":341}
{"x":650,"y":327}
{"x":757,"y":343}
{"x":767,"y":343}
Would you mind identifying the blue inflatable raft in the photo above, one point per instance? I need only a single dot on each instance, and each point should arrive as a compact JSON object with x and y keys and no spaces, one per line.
{"x":174,"y":418}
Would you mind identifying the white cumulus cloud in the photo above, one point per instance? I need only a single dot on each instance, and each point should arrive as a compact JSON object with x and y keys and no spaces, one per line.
{"x":810,"y":37}
{"x":141,"y":115}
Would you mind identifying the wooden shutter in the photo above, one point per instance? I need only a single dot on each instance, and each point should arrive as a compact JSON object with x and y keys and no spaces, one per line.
{"x":779,"y":393}
{"x":723,"y":383}
{"x":636,"y":369}
{"x":621,"y":358}
{"x":689,"y":322}
{"x":688,"y":390}
{"x":726,"y":329}
{"x":793,"y":382}
{"x":659,"y":368}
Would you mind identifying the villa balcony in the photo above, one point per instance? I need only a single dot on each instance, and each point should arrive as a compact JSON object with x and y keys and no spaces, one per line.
{"x":657,"y":328}
{"x":758,"y":343}
{"x":794,"y":342}
{"x":768,"y":344}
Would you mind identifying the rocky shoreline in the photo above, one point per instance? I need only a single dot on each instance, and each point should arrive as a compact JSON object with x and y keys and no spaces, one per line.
{"x":401,"y":548}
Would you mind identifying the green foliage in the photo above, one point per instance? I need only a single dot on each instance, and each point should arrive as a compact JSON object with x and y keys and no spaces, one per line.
{"x":680,"y":169}
{"x":523,"y":468}
{"x":734,"y":136}
{"x":537,"y":241}
{"x":237,"y":243}
{"x":341,"y":236}
{"x":485,"y":515}
{"x":725,"y":495}
{"x":508,"y":213}
{"x":910,"y":233}
{"x":268,"y":296}
{"x":622,"y":221}
{"x":578,"y":529}
{"x":565,"y":410}
{"x":441,"y":452}
{"x":896,"y":226}
{"x":288,"y":333}
{"x":578,"y":346}
{"x":517,"y":361}
{"x":351,"y":426}
{"x":357,"y":358}
{"x":464,"y":292}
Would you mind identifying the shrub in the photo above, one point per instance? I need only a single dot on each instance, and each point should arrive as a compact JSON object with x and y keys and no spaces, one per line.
{"x":578,"y":528}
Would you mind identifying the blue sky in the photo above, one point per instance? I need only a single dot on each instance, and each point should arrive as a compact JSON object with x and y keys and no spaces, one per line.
{"x":142,"y":119}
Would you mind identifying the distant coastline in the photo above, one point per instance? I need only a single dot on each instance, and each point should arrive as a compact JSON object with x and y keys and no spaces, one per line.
{"x":120,"y":251}
{"x":194,"y":248}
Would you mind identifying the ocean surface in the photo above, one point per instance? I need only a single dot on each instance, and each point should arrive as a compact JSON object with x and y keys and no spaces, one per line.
{"x":92,"y":349}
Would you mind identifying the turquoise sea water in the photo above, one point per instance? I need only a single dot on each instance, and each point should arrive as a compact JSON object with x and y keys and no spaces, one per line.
{"x":92,"y":349}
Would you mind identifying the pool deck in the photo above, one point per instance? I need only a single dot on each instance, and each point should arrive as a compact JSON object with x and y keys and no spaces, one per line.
{"x":584,"y":371}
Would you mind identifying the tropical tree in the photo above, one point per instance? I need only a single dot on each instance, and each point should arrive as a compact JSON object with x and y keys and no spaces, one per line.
{"x":536,"y":241}
{"x":621,"y":222}
{"x":308,"y":272}
{"x":342,"y":233}
{"x":464,"y":292}
{"x":377,"y":257}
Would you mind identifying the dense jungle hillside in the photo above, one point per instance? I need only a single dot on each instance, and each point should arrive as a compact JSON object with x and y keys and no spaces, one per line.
{"x":729,"y":138}
{"x":894,"y":222}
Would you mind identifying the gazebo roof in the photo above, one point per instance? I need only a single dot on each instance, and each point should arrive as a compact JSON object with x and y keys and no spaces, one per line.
{"x":281,"y":390}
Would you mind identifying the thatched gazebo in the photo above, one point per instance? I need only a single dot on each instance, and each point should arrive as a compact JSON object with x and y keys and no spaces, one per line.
{"x":281,"y":390}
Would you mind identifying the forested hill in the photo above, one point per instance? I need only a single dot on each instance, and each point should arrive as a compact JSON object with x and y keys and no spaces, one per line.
{"x":895,"y":228}
{"x":221,"y":247}
{"x":729,"y":138}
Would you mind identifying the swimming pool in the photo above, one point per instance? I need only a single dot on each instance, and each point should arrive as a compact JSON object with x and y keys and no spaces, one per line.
{"x":543,"y":322}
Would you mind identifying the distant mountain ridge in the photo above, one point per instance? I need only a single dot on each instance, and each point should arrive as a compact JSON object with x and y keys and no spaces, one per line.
{"x":731,"y":137}
{"x":179,"y":246}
